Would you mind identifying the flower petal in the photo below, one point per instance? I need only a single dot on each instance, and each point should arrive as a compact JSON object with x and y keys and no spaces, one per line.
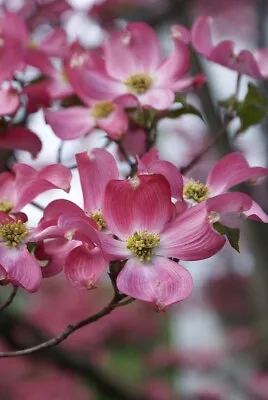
{"x":201,"y":35}
{"x":135,"y":50}
{"x":161,"y":282}
{"x":160,"y":99}
{"x":190,"y":236}
{"x":175,"y":65}
{"x":84,"y":266}
{"x":140,"y":204}
{"x":70,"y":123}
{"x":116,"y":124}
{"x":232,"y":170}
{"x":20,"y":138}
{"x":21,"y":267}
{"x":95,"y":171}
{"x":151,"y":164}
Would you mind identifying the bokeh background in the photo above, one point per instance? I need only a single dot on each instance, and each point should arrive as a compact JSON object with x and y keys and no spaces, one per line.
{"x":215,"y":344}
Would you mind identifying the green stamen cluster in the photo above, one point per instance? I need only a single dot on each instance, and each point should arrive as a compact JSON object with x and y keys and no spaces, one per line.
{"x":102,"y":109}
{"x":13,"y":233}
{"x":98,"y":218}
{"x":139,"y":83}
{"x":5,"y":206}
{"x":142,"y":244}
{"x":196,"y":191}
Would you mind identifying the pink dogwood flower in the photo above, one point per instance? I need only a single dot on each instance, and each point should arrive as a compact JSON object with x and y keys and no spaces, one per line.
{"x":73,"y":122}
{"x":135,"y":72}
{"x":21,"y":268}
{"x":244,"y":62}
{"x":82,"y":258}
{"x":139,"y":214}
{"x":229,"y":171}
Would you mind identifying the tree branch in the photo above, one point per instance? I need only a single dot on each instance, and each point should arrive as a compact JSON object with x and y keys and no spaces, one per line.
{"x":10,"y":298}
{"x":104,"y":383}
{"x":115,"y":302}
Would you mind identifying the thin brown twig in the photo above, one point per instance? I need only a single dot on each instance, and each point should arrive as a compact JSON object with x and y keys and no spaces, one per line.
{"x":114,"y":303}
{"x":10,"y":298}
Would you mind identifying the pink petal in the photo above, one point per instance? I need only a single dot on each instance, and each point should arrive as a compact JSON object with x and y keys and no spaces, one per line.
{"x":95,"y":171}
{"x":182,"y":33}
{"x":98,"y":86}
{"x":189,"y":83}
{"x":230,"y":171}
{"x":165,"y":168}
{"x":20,"y":138}
{"x":113,"y":249}
{"x":256,"y":213}
{"x":243,"y":62}
{"x":57,"y":87}
{"x":21,"y":267}
{"x":261,"y":57}
{"x":40,"y":61}
{"x":80,"y":228}
{"x":116,"y":124}
{"x":84,"y":267}
{"x":174,"y":66}
{"x":232,"y":202}
{"x":58,"y":207}
{"x":37,"y":96}
{"x":30,"y":183}
{"x":161,"y":282}
{"x":55,"y":253}
{"x":160,"y":99}
{"x":55,"y":43}
{"x":136,"y":49}
{"x":201,"y":35}
{"x":9,"y":101}
{"x":190,"y":236}
{"x":5,"y":218}
{"x":7,"y":187}
{"x":140,"y":204}
{"x":70,"y":123}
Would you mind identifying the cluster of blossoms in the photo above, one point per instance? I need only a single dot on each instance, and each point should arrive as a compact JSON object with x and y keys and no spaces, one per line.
{"x":138,"y":228}
{"x":144,"y":224}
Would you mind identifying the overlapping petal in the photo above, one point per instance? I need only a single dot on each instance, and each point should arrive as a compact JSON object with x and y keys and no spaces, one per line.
{"x":95,"y":171}
{"x":84,"y":267}
{"x":230,"y":171}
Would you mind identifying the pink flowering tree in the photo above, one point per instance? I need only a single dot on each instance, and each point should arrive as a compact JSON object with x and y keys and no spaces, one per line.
{"x":125,"y":214}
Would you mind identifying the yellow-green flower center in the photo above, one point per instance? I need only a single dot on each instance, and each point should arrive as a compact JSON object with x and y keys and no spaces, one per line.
{"x":196,"y":191}
{"x":139,"y":83}
{"x":102,"y":109}
{"x":142,"y":245}
{"x":5,"y":206}
{"x":13,"y":233}
{"x":98,"y":218}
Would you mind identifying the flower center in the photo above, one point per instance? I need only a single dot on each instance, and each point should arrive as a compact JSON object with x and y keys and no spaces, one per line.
{"x":142,"y":244}
{"x":98,"y":218}
{"x":102,"y":109}
{"x":139,"y":83}
{"x":13,"y":233}
{"x":5,"y":206}
{"x":196,"y":191}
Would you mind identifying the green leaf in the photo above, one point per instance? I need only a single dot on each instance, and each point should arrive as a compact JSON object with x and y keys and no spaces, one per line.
{"x":185,"y":109}
{"x":252,"y":109}
{"x":232,"y":234}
